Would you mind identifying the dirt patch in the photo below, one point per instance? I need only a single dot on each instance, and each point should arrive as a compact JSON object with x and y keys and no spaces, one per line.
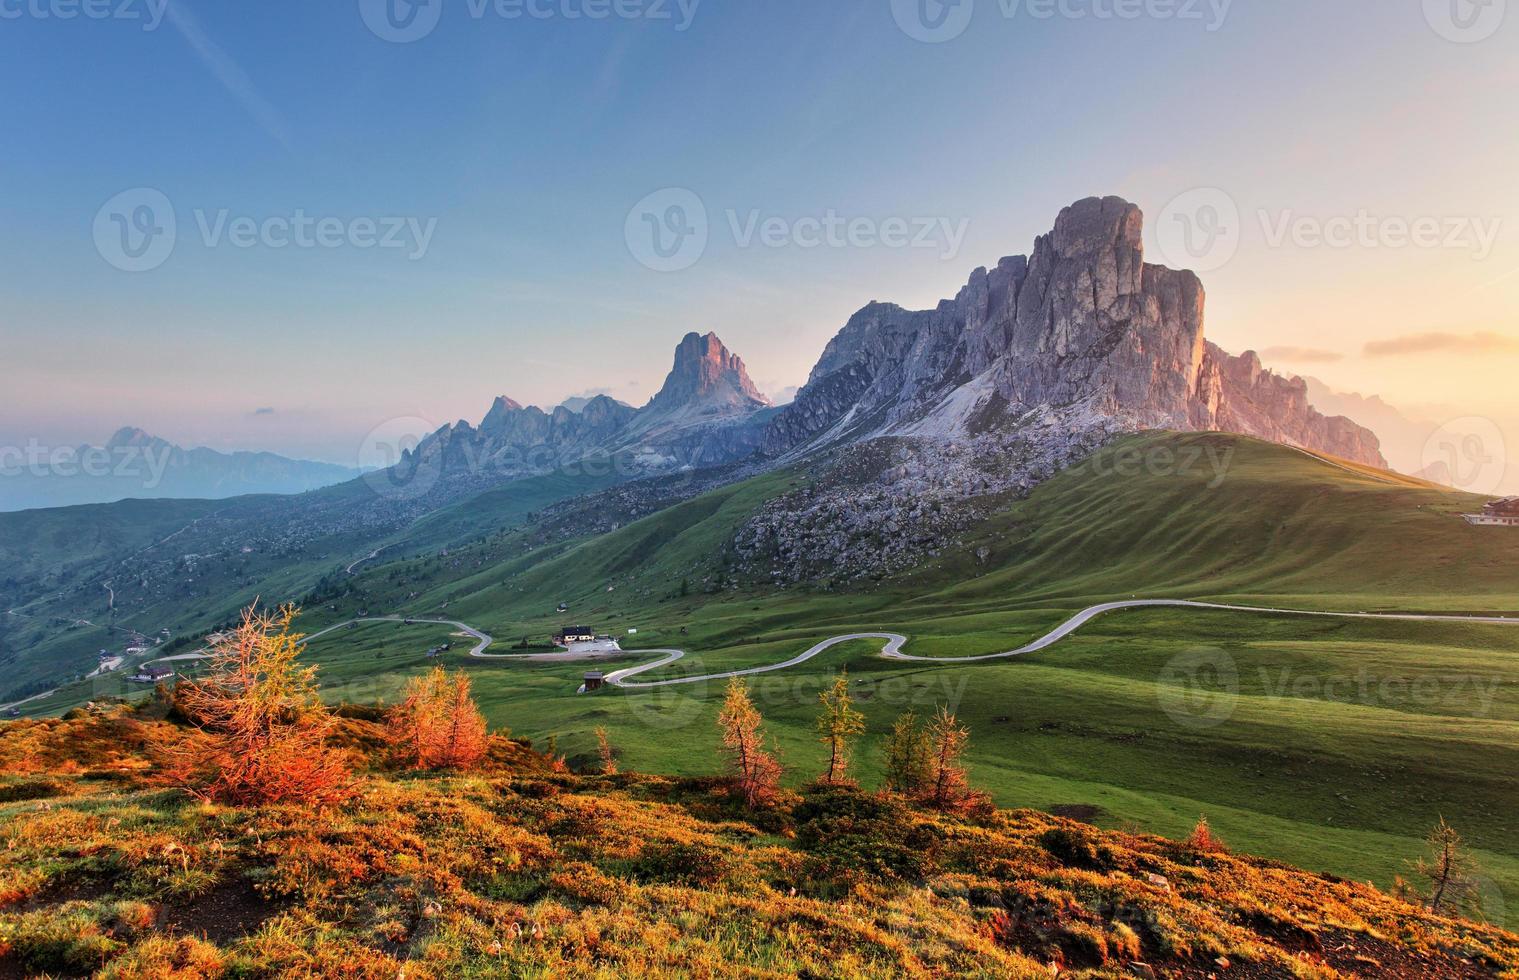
{"x":1083,"y":812}
{"x":10,"y":969}
{"x":63,"y":890}
{"x":228,"y":912}
{"x":1362,"y":955}
{"x":35,"y":788}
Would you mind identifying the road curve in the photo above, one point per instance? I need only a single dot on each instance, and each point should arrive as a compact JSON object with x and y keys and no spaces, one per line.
{"x":484,"y":639}
{"x":892,"y":648}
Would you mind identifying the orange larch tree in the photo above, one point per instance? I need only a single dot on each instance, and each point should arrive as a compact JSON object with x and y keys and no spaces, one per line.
{"x":948,"y":785}
{"x":438,"y":725}
{"x":754,"y":769}
{"x":265,"y":727}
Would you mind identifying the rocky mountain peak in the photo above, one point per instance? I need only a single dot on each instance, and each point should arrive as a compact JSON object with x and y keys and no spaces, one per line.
{"x":130,"y":436}
{"x":500,"y":409}
{"x":707,"y":376}
{"x":1082,"y":327}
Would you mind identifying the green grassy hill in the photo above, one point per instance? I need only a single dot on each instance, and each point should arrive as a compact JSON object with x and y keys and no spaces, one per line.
{"x":1163,"y":515}
{"x":80,"y":579}
{"x":1327,"y":756}
{"x":1340,"y":741}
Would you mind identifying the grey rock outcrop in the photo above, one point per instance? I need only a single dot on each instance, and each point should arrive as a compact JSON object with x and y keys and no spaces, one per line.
{"x":1083,"y":325}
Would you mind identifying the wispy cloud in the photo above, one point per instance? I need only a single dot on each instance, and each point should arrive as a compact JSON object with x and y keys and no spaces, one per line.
{"x":1301,"y":355}
{"x":228,"y":73}
{"x":1482,"y":342}
{"x":263,"y":411}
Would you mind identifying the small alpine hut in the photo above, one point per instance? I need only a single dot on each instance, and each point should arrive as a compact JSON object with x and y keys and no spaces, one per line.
{"x":595,"y":680}
{"x":571,"y":635}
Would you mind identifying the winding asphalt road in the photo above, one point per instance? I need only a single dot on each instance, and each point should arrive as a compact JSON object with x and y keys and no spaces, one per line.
{"x":483,"y":640}
{"x":892,"y":648}
{"x":893,"y":642}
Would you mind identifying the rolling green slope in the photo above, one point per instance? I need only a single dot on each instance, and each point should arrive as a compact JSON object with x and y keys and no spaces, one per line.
{"x":1153,"y":515}
{"x":55,"y":544}
{"x":1330,"y":743}
{"x":65,"y":592}
{"x":1160,"y":515}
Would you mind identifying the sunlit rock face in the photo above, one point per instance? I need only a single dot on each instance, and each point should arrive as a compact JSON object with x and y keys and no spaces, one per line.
{"x":1083,"y":326}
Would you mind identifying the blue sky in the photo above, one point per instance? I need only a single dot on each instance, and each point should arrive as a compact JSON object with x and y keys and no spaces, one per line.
{"x":523,"y":143}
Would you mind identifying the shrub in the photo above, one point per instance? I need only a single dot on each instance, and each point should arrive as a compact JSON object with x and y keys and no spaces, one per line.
{"x":1075,"y":849}
{"x":907,"y":757}
{"x":605,"y":751}
{"x":1450,"y":872}
{"x":1204,"y":841}
{"x":854,"y":837}
{"x":837,"y":726}
{"x":949,"y":784}
{"x":694,"y":865}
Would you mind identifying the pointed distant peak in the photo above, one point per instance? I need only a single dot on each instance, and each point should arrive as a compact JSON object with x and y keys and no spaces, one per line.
{"x":501,"y":408}
{"x":706,"y":371}
{"x":132,"y":436}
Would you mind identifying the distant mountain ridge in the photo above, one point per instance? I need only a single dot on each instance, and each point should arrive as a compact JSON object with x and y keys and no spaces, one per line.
{"x":707,"y":412}
{"x":1081,"y":334}
{"x":134,"y":464}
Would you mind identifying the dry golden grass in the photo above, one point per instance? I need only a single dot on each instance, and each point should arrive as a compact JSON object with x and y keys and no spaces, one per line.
{"x":518,"y":869}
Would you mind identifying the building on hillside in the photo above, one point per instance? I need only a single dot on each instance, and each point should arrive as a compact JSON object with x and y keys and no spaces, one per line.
{"x":584,"y":640}
{"x":571,"y":635}
{"x":1499,"y":513}
{"x":594,"y":680}
{"x":152,"y":674}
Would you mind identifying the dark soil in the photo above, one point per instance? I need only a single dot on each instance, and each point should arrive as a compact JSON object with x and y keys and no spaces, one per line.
{"x":230,"y":911}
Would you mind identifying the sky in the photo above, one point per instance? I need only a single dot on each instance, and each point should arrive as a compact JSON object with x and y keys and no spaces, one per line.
{"x":283,"y":225}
